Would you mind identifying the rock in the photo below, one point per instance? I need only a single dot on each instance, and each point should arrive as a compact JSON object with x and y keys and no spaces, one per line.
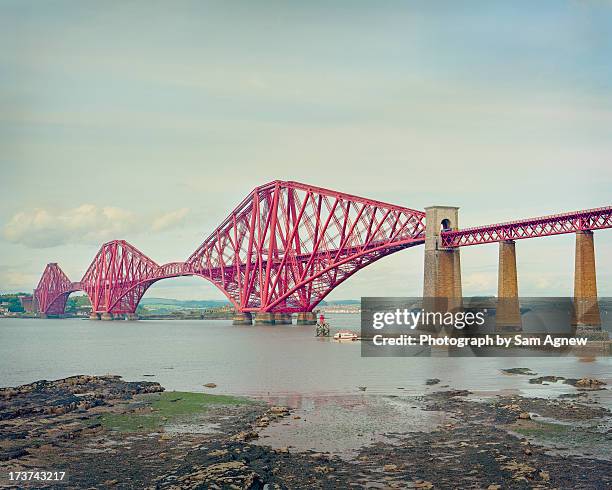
{"x":362,"y":388}
{"x":494,"y":487}
{"x":210,"y":385}
{"x":524,"y":416}
{"x":544,"y":475}
{"x":589,"y":383}
{"x":218,"y":452}
{"x":432,"y":381}
{"x":283,"y":449}
{"x":323,"y":469}
{"x":296,"y":417}
{"x":62,"y":396}
{"x":390,"y":467}
{"x":244,"y":436}
{"x":423,"y":484}
{"x":519,"y":470}
{"x":519,"y":370}
{"x":278,"y":410}
{"x":546,"y":379}
{"x":232,"y":474}
{"x":527,"y":451}
{"x":454,"y":393}
{"x":12,"y":454}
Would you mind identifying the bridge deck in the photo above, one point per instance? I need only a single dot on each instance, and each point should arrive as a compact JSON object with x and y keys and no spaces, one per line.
{"x":557,"y":224}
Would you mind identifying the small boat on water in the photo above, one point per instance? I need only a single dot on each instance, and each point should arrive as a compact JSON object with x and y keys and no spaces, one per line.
{"x":346,"y":335}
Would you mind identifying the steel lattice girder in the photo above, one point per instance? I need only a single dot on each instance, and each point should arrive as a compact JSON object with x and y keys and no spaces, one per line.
{"x":590,"y":219}
{"x":118,"y":277}
{"x":283,"y":249}
{"x":288,"y":244}
{"x":53,"y":290}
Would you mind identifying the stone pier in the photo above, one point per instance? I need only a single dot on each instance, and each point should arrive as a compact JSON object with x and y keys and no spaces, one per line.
{"x":242,"y":318}
{"x":306,"y":318}
{"x":42,"y":315}
{"x":586,"y":315}
{"x":442,"y":268}
{"x":131,"y":317}
{"x":94,"y":316}
{"x":508,"y":314}
{"x":106,"y":316}
{"x":283,"y":319}
{"x":264,"y":318}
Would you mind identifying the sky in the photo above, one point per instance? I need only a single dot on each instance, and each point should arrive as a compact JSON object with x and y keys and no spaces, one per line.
{"x":149,"y":121}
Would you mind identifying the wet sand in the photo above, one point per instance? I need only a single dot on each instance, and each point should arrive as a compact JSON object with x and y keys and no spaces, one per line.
{"x":105,"y":432}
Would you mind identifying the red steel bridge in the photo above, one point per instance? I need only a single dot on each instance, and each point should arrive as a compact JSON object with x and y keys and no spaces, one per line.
{"x":283,"y":249}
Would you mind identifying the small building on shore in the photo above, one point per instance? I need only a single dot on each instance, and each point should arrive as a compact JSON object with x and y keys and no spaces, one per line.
{"x":27,"y":302}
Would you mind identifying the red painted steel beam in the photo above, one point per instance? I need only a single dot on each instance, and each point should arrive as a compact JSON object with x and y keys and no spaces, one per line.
{"x":286,"y":245}
{"x":589,"y":219}
{"x":53,"y":290}
{"x":282,"y":249}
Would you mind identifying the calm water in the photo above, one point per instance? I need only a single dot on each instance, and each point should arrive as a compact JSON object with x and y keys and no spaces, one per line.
{"x":287,"y":362}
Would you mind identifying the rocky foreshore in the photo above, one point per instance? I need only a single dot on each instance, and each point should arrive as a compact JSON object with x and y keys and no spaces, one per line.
{"x":108,"y":433}
{"x":45,"y":412}
{"x":67,"y":395}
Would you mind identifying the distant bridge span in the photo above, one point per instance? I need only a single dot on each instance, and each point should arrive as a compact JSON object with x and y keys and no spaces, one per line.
{"x":284,"y":248}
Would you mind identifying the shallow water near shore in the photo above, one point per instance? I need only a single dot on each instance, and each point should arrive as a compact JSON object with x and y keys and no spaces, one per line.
{"x":284,"y":362}
{"x":344,"y":424}
{"x":349,"y":416}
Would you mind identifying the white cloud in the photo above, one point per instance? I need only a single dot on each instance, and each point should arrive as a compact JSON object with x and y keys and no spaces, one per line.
{"x":169,"y":220}
{"x":87,"y":223}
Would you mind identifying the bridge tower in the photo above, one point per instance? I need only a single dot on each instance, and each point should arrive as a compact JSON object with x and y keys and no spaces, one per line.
{"x":442,"y":268}
{"x":242,"y":318}
{"x":587,"y":318}
{"x":508,"y":316}
{"x":306,"y":318}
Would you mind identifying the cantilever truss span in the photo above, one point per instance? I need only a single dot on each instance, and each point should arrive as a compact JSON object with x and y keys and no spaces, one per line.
{"x":282,"y":249}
